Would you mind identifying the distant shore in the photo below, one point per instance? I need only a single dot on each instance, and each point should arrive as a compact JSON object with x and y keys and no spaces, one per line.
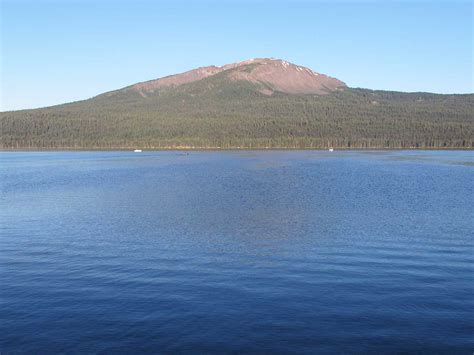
{"x":161,"y":149}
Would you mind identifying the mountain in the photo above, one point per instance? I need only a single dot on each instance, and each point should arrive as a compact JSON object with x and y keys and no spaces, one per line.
{"x":258,"y":103}
{"x":268,"y":74}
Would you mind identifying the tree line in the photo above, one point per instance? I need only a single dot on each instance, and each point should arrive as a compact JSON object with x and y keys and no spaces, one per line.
{"x":222,"y":114}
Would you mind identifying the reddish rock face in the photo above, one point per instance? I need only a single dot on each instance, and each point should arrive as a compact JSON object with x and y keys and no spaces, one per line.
{"x":280,"y":75}
{"x":272,"y":74}
{"x":176,"y":80}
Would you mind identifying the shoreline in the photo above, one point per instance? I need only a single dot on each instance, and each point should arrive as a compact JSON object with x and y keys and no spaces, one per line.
{"x":217,"y":149}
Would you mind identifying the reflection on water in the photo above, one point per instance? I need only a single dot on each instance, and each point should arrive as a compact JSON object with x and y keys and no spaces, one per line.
{"x":297,"y":251}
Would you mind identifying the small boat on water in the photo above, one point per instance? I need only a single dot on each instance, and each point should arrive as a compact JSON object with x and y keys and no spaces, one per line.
{"x":137,"y":151}
{"x":331,"y":149}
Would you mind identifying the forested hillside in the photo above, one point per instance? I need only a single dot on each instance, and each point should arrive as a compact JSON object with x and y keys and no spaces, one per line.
{"x":216,"y":112}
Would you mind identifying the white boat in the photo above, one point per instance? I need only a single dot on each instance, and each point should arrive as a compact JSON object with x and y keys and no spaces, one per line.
{"x":331,"y":149}
{"x":137,"y":151}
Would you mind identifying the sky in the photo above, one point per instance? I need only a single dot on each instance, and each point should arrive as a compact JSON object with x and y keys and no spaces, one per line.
{"x":56,"y":51}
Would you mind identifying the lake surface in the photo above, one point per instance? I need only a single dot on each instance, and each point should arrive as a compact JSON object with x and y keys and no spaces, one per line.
{"x":255,"y":252}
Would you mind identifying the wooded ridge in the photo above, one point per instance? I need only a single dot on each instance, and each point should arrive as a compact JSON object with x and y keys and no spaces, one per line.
{"x":236,"y":108}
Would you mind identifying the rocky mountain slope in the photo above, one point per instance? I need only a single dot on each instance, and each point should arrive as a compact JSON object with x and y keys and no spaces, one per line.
{"x":269,"y":74}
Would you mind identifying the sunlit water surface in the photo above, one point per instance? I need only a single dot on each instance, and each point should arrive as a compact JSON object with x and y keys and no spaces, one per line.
{"x":276,"y":252}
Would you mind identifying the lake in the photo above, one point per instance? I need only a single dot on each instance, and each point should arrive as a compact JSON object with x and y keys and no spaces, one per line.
{"x":238,"y":251}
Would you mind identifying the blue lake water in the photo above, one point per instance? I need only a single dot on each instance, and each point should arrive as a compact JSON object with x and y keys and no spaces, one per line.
{"x":251,"y":252}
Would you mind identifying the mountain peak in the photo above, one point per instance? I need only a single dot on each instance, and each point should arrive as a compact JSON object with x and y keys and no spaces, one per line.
{"x":283,"y":76}
{"x":271,"y":74}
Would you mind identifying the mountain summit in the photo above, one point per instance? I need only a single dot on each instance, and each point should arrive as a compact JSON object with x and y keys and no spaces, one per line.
{"x":269,"y":74}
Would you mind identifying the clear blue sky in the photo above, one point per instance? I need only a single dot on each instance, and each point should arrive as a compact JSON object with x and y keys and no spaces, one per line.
{"x":60,"y":51}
